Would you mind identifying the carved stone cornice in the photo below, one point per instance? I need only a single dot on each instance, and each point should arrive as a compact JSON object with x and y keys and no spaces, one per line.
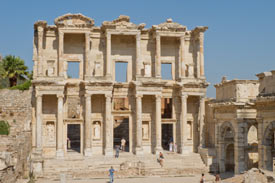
{"x":169,"y":25}
{"x":74,"y":20}
{"x":122,"y":22}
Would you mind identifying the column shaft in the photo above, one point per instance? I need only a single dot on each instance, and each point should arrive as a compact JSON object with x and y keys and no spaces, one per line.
{"x":60,"y":53}
{"x":87,"y":130}
{"x":183,"y":122}
{"x":201,"y":54}
{"x":201,"y":118}
{"x":138,"y":125}
{"x":158,"y":56}
{"x":39,"y":51}
{"x":108,"y":55}
{"x":39,"y":122}
{"x":108,"y":127}
{"x":182,"y":55}
{"x":158,"y":124}
{"x":60,"y":151}
{"x":138,"y":64}
{"x":87,"y":51}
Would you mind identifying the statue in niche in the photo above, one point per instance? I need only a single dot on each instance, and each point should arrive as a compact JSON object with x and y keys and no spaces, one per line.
{"x":145,"y":131}
{"x":190,"y":70}
{"x":50,"y":131}
{"x":97,"y":130}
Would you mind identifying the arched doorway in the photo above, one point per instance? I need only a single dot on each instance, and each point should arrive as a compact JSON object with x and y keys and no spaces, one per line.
{"x":269,"y":147}
{"x":252,"y":148}
{"x":229,"y":158}
{"x":226,"y":148}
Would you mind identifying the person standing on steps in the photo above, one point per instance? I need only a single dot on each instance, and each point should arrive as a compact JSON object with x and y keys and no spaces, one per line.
{"x":123,"y":143}
{"x":111,"y":174}
{"x":202,"y":178}
{"x":117,"y":151}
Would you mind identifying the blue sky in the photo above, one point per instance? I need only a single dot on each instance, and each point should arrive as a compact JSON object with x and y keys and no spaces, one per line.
{"x":240,"y":41}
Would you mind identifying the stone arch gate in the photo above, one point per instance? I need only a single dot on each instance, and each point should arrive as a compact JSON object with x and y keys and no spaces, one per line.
{"x":267,"y":147}
{"x":234,"y":132}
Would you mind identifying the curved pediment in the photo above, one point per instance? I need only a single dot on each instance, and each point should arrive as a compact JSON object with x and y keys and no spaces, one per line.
{"x":73,"y":20}
{"x":169,"y":25}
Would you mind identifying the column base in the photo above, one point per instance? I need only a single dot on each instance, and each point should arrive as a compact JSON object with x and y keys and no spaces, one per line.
{"x":185,"y":150}
{"x":59,"y":154}
{"x":139,"y":151}
{"x":158,"y":150}
{"x":109,"y":152}
{"x":88,"y":152}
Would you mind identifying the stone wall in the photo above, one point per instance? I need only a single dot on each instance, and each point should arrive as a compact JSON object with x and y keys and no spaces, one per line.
{"x":15,"y":148}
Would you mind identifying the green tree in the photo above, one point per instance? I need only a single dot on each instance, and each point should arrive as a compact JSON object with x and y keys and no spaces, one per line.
{"x":13,"y":68}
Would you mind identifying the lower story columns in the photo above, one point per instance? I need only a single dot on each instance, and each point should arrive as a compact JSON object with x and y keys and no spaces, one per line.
{"x":88,"y":149}
{"x":108,"y":127}
{"x":158,"y":147}
{"x":60,"y":148}
{"x":139,"y":150}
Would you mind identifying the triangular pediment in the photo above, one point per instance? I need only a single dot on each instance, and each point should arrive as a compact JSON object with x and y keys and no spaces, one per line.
{"x":73,"y":20}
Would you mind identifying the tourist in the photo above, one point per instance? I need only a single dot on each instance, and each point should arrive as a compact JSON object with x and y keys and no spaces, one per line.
{"x":111,"y":174}
{"x":202,"y":178}
{"x":217,"y":179}
{"x":123,"y":143}
{"x":175,"y":148}
{"x":117,"y":151}
{"x":161,"y":159}
{"x":171,"y":146}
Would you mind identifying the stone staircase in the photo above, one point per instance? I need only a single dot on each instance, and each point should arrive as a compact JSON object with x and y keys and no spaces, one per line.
{"x":127,"y":165}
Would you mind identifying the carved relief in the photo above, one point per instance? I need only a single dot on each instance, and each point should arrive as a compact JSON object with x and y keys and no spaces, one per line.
{"x":51,"y":68}
{"x":73,"y":107}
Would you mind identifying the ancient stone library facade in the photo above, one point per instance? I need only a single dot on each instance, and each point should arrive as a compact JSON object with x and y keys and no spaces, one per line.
{"x":81,"y":105}
{"x":90,"y":113}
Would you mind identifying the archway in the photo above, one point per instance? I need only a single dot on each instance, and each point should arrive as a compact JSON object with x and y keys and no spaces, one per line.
{"x":229,"y":158}
{"x":252,"y":147}
{"x":269,"y":146}
{"x":226,"y":147}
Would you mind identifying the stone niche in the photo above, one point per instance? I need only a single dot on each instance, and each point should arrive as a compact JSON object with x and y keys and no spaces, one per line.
{"x":145,"y":130}
{"x":49,"y":133}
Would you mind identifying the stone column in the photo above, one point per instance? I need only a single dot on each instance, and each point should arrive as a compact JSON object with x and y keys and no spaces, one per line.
{"x":108,"y":55}
{"x":138,"y":64}
{"x":60,"y":149}
{"x":88,"y":107}
{"x":201,"y":118}
{"x":60,"y":53}
{"x":158,"y":124}
{"x":183,"y":124}
{"x":158,"y":56}
{"x":182,"y":55}
{"x":201,"y":54}
{"x":39,"y":124}
{"x":196,"y":45}
{"x":87,"y":51}
{"x":39,"y":51}
{"x":108,"y":126}
{"x":139,"y":125}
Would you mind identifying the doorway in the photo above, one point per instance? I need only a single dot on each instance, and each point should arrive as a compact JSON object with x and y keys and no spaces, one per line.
{"x":166,"y":135}
{"x":121,"y":130}
{"x":73,"y":138}
{"x":229,"y":159}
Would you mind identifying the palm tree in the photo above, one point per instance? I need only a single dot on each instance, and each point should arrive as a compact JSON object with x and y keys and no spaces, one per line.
{"x":13,"y":68}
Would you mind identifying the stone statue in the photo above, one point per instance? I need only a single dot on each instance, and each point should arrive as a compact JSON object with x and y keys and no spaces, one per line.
{"x":145,"y":131}
{"x":97,"y":130}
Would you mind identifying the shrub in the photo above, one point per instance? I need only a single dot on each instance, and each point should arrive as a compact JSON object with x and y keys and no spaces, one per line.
{"x":24,"y":86}
{"x":4,"y":128}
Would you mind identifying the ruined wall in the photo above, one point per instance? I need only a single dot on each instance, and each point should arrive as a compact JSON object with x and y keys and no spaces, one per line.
{"x":15,"y":148}
{"x":267,"y":83}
